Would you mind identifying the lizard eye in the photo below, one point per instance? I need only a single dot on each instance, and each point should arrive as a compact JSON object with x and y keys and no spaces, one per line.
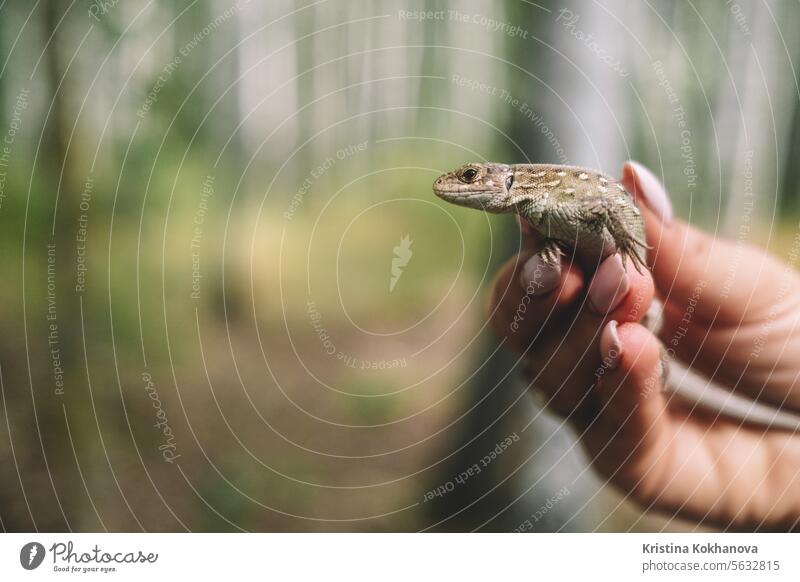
{"x":509,"y":181}
{"x":468,"y":175}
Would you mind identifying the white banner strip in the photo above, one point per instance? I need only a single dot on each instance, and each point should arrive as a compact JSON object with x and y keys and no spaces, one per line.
{"x":401,"y":557}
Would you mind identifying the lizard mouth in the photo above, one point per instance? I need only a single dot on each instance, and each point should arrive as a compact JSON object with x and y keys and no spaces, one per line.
{"x":451,"y":190}
{"x":478,"y":199}
{"x":462,"y":192}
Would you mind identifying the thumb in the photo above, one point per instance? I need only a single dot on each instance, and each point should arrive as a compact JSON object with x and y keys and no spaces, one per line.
{"x":723,"y":278}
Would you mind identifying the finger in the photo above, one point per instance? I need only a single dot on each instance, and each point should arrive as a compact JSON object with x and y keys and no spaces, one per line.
{"x":567,"y":361}
{"x":526,"y":300}
{"x":528,"y":294}
{"x":687,"y":262}
{"x":666,"y":457}
{"x":619,"y":290}
{"x":629,"y":437}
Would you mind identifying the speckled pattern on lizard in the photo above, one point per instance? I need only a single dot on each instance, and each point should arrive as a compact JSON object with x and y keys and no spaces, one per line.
{"x":585,"y":211}
{"x":572,"y":208}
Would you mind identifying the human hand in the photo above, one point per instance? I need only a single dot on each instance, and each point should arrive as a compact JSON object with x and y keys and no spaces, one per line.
{"x":730,"y":311}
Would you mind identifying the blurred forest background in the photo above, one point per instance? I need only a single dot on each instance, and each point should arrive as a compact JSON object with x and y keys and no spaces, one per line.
{"x":230,"y":300}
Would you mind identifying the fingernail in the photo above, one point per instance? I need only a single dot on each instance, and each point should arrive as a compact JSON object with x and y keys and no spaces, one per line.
{"x":645,"y":186}
{"x":538,"y":278}
{"x":609,"y":285}
{"x":610,"y":346}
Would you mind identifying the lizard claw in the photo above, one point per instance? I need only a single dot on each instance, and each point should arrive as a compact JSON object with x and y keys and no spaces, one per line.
{"x":641,"y":243}
{"x":638,"y":262}
{"x":551,"y":253}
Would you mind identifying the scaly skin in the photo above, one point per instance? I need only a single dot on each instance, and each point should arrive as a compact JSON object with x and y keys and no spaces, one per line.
{"x":570,"y":207}
{"x":582,"y":209}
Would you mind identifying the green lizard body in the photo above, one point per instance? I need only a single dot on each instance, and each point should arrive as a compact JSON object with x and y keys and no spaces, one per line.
{"x":591,"y":213}
{"x":570,"y":207}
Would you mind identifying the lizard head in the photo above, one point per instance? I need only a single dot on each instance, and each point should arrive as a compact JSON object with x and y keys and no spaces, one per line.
{"x":481,"y":186}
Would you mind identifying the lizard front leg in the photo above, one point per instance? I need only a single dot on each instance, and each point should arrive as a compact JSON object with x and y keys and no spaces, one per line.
{"x":532,"y":213}
{"x":550,"y":253}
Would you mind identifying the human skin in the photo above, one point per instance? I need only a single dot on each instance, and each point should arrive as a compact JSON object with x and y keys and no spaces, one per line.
{"x":731,"y":311}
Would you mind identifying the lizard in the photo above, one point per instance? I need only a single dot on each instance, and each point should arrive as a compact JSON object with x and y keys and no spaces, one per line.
{"x":585,"y":211}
